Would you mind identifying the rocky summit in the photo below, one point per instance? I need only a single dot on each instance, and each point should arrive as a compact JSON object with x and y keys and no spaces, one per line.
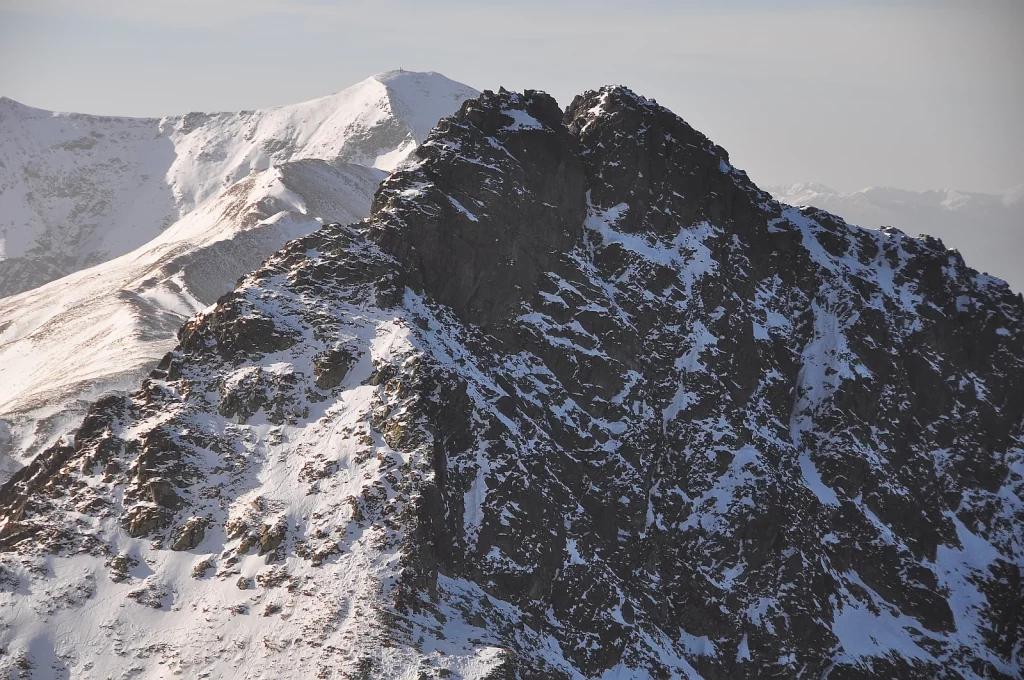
{"x":578,"y":400}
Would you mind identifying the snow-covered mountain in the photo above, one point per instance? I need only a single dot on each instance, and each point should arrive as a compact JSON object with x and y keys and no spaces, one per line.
{"x":76,"y":189}
{"x":578,"y":400}
{"x":988,"y":229}
{"x":247,"y":183}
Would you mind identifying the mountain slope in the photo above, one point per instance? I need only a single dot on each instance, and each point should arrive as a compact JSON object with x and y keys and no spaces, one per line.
{"x":76,"y":190}
{"x":103,"y":328}
{"x":988,"y":229}
{"x":577,"y":400}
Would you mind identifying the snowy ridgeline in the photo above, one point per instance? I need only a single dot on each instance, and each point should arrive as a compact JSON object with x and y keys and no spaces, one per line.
{"x":162,"y":217}
{"x":78,"y":189}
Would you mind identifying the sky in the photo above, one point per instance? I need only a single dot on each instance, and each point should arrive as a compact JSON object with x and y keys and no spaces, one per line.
{"x":917,"y":95}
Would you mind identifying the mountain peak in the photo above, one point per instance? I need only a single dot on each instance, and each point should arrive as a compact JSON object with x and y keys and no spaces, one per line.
{"x":688,"y":176}
{"x":477,"y":260}
{"x":577,"y":401}
{"x":801,"y":191}
{"x":25,"y":111}
{"x":420,"y":99}
{"x":193,"y":203}
{"x":398,"y":75}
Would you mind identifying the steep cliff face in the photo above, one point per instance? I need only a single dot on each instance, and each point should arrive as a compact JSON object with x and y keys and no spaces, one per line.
{"x":577,"y":400}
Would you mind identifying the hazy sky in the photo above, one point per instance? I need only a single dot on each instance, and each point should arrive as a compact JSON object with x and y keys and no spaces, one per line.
{"x":911,"y":94}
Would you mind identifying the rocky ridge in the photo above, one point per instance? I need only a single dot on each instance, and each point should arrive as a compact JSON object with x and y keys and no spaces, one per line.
{"x":577,"y":400}
{"x":987,"y":229}
{"x":243,"y":185}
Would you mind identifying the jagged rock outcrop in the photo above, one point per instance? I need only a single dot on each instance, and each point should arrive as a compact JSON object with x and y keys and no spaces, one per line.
{"x":985,"y":228}
{"x":190,"y":204}
{"x":577,"y":400}
{"x":541,"y":205}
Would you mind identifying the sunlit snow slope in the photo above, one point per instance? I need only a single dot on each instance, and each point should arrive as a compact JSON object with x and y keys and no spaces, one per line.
{"x":245,"y":183}
{"x":76,"y":189}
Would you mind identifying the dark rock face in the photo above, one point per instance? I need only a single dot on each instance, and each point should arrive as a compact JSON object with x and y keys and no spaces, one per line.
{"x":497,"y":223}
{"x":331,"y":367}
{"x":191,"y":535}
{"x":580,"y":398}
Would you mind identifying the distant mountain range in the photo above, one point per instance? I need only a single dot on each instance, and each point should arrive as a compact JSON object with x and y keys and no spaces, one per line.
{"x":987,"y":229}
{"x":139,"y":223}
